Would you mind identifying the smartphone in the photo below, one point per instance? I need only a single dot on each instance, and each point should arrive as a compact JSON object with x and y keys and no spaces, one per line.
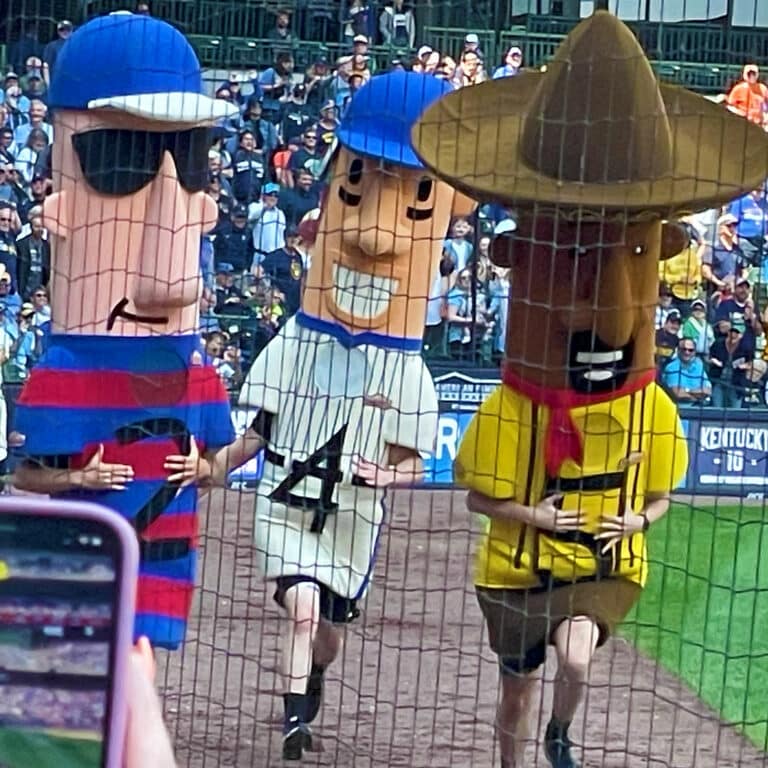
{"x":67,"y":594}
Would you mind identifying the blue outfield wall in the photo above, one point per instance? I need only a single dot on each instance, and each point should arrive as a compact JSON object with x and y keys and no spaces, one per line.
{"x":728,"y":449}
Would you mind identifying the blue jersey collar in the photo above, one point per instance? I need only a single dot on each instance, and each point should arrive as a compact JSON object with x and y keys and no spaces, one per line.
{"x":348,"y":340}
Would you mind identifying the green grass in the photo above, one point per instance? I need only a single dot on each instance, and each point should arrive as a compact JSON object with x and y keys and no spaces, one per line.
{"x":704,"y":613}
{"x":23,"y":748}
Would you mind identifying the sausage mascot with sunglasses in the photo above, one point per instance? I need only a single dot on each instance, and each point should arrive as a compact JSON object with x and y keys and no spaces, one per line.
{"x":122,"y":409}
{"x":343,"y":397}
{"x":576,"y":454}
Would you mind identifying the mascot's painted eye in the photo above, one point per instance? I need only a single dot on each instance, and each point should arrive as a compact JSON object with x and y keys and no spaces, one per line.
{"x":579,"y":251}
{"x":424,"y":191}
{"x":639,"y":250}
{"x":355,"y":173}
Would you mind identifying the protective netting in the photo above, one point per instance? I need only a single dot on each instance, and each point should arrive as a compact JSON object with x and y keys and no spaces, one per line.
{"x":279,"y":251}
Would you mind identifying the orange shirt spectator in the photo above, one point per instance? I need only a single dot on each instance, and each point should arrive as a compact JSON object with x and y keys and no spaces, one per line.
{"x":750,"y":97}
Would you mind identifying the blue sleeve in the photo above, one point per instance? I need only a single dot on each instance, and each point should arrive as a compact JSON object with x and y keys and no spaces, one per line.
{"x":671,"y":375}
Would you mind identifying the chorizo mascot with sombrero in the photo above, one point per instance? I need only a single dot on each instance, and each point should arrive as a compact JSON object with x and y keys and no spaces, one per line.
{"x":576,"y":453}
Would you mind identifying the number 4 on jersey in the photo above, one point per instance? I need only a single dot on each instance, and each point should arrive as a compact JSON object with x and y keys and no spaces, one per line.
{"x":323,"y":465}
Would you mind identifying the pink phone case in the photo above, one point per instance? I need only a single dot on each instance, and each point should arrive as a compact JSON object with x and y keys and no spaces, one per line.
{"x":126,"y":601}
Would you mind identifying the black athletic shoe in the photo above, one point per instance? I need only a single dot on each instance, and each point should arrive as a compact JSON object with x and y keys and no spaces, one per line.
{"x":314,"y":692}
{"x":557,"y":748}
{"x":296,"y":739}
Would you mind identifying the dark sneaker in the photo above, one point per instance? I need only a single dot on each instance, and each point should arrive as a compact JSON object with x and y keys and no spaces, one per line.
{"x":557,"y":748}
{"x":314,"y":692}
{"x":296,"y":739}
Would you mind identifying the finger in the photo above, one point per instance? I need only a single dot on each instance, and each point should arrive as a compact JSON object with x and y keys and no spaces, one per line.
{"x":608,"y":547}
{"x":117,"y":487}
{"x":554,"y":498}
{"x":179,"y":477}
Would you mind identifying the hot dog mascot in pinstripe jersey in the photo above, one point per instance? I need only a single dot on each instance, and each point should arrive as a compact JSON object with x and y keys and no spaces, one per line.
{"x":576,"y":453}
{"x":343,"y":395}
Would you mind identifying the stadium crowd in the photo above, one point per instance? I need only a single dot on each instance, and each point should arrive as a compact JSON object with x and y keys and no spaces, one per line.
{"x":268,"y":170}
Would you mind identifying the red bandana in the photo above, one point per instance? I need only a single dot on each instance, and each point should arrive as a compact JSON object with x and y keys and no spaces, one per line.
{"x":563,"y":440}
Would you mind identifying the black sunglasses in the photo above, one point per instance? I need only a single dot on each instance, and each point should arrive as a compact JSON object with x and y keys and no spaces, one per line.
{"x":121,"y":162}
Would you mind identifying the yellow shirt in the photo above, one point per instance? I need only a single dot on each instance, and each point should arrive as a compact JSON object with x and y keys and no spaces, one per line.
{"x":682,"y":272}
{"x":501,"y":457}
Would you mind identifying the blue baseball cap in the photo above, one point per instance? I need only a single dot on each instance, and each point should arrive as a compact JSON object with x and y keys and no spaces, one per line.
{"x":271,"y":189}
{"x":135,"y":64}
{"x":378,"y":120}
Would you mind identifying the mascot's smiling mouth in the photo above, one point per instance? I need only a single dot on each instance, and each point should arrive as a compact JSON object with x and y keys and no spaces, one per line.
{"x":596,"y":368}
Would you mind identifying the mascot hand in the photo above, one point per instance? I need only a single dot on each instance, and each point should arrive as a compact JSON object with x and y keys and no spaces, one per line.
{"x":98,"y":475}
{"x":614,"y":528}
{"x":372,"y":474}
{"x":189,"y":469}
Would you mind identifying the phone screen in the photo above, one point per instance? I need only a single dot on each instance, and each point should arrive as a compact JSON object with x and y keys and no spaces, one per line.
{"x":59,"y":581}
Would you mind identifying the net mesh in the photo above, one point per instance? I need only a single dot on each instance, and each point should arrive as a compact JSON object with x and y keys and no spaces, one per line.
{"x":681,"y":679}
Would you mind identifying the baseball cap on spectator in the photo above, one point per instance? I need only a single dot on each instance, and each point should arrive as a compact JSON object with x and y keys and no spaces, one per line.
{"x":271,"y":189}
{"x":64,"y":24}
{"x":726,"y":219}
{"x":27,"y":310}
{"x":751,"y":68}
{"x":424,"y":51}
{"x":698,"y":304}
{"x":515,"y":51}
{"x":39,"y":177}
{"x":225,"y":268}
{"x":239,"y":211}
{"x":378,"y":121}
{"x":299,"y":89}
{"x":321,"y":61}
{"x":674,"y":316}
{"x":743,"y":281}
{"x":360,"y":39}
{"x":11,"y":76}
{"x":738,"y":324}
{"x":342,"y":60}
{"x":102,"y":66}
{"x":472,"y":38}
{"x":330,"y":104}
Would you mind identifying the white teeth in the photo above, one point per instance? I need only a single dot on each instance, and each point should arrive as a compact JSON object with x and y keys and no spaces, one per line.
{"x":599,"y":358}
{"x":598,"y":375}
{"x":361,"y":294}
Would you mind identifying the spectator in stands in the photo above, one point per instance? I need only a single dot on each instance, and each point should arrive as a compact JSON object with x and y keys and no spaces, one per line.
{"x":7,"y":146}
{"x":730,"y":358}
{"x":9,"y":227}
{"x":499,"y":307}
{"x":234,"y":245}
{"x":470,"y":70}
{"x":513,"y":62}
{"x":228,"y":296}
{"x":286,"y":268}
{"x":32,"y":83}
{"x":52,"y":50}
{"x":472,"y":45}
{"x":446,"y":70}
{"x":359,"y":67}
{"x":37,"y":194}
{"x":41,"y":321}
{"x":740,"y":307}
{"x":458,"y":248}
{"x":142,"y":9}
{"x":268,"y":223}
{"x":326,"y":127}
{"x":18,"y":112}
{"x":301,"y":199}
{"x":749,"y":97}
{"x":26,"y":159}
{"x":7,"y":190}
{"x":685,"y":377}
{"x":723,"y":261}
{"x":318,"y":82}
{"x":697,"y":329}
{"x":296,"y":116}
{"x":307,"y":155}
{"x":397,"y":25}
{"x":23,"y":352}
{"x":667,"y":339}
{"x":340,"y":90}
{"x":223,"y":200}
{"x":249,"y":167}
{"x":33,"y":254}
{"x":8,"y":295}
{"x":664,"y":305}
{"x":461,"y":319}
{"x":359,"y":19}
{"x":37,"y":114}
{"x":233,"y":85}
{"x":280,"y":35}
{"x":265,"y":132}
{"x":275,"y":83}
{"x":682,"y":272}
{"x":751,"y":211}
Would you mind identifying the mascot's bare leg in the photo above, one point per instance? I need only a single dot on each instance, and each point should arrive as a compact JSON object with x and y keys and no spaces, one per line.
{"x":575,"y":641}
{"x":310,"y":644}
